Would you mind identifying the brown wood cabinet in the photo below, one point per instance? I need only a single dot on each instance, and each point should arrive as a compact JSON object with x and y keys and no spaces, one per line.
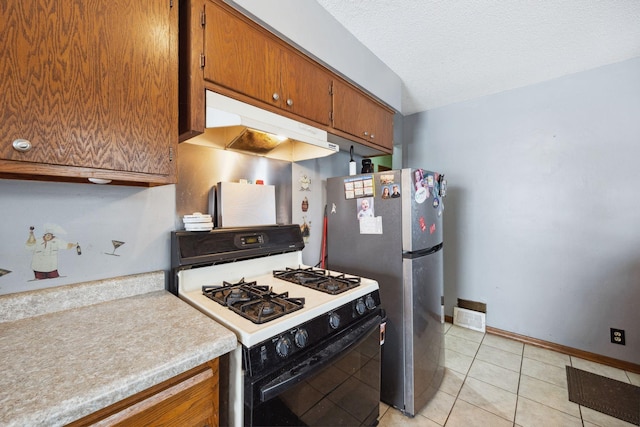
{"x":190,"y":399}
{"x":246,"y":58}
{"x":92,"y":87}
{"x":224,"y":51}
{"x":360,"y":116}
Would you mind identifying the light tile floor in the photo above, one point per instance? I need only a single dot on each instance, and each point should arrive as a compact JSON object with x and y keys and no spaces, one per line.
{"x":494,"y":381}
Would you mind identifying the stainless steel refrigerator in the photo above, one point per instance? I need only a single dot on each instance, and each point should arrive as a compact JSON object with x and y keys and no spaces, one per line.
{"x":388,"y":226}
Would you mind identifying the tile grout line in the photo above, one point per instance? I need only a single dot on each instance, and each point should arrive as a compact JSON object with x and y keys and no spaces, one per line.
{"x":462,"y":385}
{"x":465,"y":376}
{"x":513,"y":423}
{"x":515,"y":410}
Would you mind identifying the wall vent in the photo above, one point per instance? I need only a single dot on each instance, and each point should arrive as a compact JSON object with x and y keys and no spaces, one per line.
{"x":469,"y":319}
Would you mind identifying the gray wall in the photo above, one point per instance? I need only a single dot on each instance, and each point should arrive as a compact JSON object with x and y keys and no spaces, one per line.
{"x":92,"y":216}
{"x":318,"y":170}
{"x":542,"y":210}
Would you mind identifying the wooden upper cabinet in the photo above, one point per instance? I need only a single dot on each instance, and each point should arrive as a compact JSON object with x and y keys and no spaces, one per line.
{"x":236,"y":55}
{"x":306,"y":88}
{"x":245,"y":58}
{"x":224,"y":51}
{"x":360,"y":116}
{"x":91,"y":86}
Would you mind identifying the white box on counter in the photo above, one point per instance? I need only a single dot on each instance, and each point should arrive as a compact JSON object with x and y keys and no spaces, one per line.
{"x":244,"y":205}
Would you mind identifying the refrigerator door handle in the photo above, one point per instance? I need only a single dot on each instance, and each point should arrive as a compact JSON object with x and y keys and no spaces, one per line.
{"x":421,"y":252}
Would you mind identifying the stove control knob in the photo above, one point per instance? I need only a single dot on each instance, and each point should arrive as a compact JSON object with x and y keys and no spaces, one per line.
{"x":301,"y":338}
{"x":360,"y":306}
{"x":283,"y":346}
{"x":371,"y":304}
{"x":334,"y":320}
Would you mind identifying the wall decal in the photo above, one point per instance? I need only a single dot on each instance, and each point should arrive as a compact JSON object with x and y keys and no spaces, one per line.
{"x":44,"y":261}
{"x":306,"y":229}
{"x":116,"y":244}
{"x":305,"y":183}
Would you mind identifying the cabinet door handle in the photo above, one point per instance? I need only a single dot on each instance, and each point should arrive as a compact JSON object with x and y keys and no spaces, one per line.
{"x":366,"y":133}
{"x":22,"y":145}
{"x":373,"y":136}
{"x":289,"y":102}
{"x":275,"y":96}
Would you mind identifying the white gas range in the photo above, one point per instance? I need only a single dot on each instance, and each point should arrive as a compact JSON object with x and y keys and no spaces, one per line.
{"x":290,"y":334}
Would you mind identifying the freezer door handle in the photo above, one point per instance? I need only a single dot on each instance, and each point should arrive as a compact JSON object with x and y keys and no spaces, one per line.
{"x":422,"y":252}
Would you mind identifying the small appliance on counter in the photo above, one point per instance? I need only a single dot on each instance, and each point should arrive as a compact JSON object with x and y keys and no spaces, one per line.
{"x":245,"y":205}
{"x":367,"y":166}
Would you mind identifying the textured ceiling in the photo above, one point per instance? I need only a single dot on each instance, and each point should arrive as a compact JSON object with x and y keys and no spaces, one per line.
{"x":446,"y":51}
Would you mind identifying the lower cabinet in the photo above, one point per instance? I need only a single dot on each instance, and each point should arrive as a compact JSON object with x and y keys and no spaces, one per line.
{"x":189,"y":399}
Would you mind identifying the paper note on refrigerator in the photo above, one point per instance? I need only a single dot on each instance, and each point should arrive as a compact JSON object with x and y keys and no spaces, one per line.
{"x":371,"y":225}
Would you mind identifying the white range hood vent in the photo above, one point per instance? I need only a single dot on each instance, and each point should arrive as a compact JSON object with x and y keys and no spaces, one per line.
{"x":237,"y":126}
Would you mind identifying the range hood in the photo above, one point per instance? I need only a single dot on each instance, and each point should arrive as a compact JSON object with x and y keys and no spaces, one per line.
{"x":237,"y":126}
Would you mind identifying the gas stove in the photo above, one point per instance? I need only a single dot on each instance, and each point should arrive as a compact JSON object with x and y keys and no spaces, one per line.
{"x":290,"y":319}
{"x":267,"y":257}
{"x":196,"y":283}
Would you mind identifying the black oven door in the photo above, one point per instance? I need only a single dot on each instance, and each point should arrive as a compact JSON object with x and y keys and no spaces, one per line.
{"x":336,"y":384}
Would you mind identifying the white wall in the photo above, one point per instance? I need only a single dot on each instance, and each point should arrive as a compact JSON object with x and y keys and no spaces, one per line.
{"x":543,"y":206}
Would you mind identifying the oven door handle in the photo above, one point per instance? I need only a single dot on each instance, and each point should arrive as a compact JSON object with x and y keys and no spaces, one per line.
{"x":319,"y":360}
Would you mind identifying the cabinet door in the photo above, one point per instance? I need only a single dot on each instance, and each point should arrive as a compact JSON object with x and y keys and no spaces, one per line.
{"x":90,"y":85}
{"x":358,"y":115}
{"x":238,"y":56}
{"x":242,"y":57}
{"x":382,"y":133}
{"x":189,"y":403}
{"x":306,"y":88}
{"x":190,"y":399}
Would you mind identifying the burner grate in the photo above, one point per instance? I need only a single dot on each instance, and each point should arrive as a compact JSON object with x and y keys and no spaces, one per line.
{"x":320,"y":280}
{"x":254,"y":302}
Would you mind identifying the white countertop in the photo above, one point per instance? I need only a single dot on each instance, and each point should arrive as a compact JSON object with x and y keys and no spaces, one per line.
{"x":62,"y":365}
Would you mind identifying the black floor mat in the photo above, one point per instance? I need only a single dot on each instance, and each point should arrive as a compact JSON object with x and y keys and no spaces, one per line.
{"x":606,"y":395}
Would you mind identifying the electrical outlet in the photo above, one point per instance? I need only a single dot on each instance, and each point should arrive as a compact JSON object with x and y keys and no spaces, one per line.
{"x":617,"y":336}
